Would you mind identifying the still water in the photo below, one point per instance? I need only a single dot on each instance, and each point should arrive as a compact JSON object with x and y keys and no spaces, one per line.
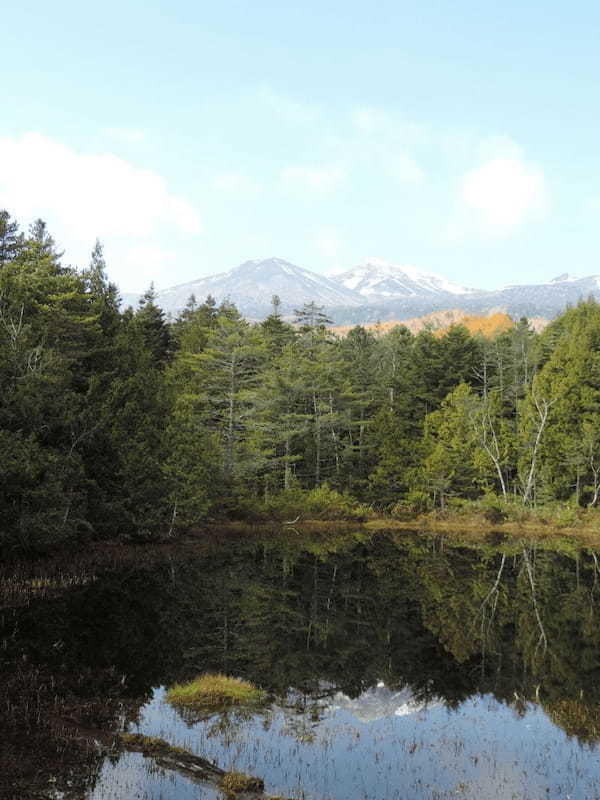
{"x":397,"y":666}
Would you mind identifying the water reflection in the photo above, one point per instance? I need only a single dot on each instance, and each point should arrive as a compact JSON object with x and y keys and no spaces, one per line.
{"x":133,"y":776}
{"x":372,"y":748}
{"x":399,"y":665}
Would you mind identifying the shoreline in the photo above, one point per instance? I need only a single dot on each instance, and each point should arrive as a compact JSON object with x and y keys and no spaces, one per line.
{"x":67,"y":562}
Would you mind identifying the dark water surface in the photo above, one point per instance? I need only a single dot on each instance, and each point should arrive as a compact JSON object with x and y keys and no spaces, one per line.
{"x":399,"y":666}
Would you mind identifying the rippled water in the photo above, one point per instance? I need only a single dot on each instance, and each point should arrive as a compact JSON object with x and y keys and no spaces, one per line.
{"x":398,"y":667}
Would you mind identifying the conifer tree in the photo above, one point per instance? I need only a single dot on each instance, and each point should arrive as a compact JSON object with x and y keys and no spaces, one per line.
{"x":150,"y":319}
{"x":11,"y":241}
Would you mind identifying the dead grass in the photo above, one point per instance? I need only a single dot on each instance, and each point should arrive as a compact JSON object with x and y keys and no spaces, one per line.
{"x":583,"y":532}
{"x":150,"y":745}
{"x":233,"y":783}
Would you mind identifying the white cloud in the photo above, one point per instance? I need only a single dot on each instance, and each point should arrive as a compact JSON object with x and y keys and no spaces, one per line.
{"x":88,"y":195}
{"x":83,"y":196}
{"x":499,"y":197}
{"x":321,"y":178}
{"x":369,"y":120}
{"x":149,"y":263}
{"x":389,"y":129}
{"x":328,"y":242}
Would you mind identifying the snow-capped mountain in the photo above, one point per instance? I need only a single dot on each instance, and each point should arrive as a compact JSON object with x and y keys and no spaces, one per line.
{"x":379,"y":281}
{"x":252,"y":285}
{"x":372,"y":292}
{"x":545,"y":300}
{"x":379,"y":702}
{"x":537,"y":299}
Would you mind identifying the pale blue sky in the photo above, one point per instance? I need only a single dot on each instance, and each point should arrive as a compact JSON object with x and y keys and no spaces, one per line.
{"x":461,"y":137}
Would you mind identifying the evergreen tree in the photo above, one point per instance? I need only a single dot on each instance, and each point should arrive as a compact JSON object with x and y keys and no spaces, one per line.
{"x":11,"y":241}
{"x":311,"y":316}
{"x":150,"y":319}
{"x":451,"y":447}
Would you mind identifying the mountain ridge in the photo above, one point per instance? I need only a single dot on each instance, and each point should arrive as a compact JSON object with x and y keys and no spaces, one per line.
{"x":376,"y":291}
{"x":381,"y":281}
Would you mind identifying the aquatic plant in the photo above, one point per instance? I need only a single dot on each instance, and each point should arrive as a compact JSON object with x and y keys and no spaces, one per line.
{"x":233,"y":783}
{"x":150,"y":745}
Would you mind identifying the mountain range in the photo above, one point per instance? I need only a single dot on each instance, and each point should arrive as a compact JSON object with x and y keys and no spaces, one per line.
{"x":374,"y":291}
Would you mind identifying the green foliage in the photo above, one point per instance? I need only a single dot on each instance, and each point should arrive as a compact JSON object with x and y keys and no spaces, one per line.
{"x":451,"y":448}
{"x":322,"y":502}
{"x":118,"y":423}
{"x":416,"y":501}
{"x":214,"y":691}
{"x":79,"y":419}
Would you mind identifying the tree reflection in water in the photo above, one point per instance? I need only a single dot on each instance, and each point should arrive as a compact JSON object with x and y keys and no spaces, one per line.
{"x":318,"y":621}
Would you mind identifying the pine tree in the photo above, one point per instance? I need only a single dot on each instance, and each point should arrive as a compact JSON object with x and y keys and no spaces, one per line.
{"x":150,"y":319}
{"x":311,"y":316}
{"x":11,"y":241}
{"x":451,"y":448}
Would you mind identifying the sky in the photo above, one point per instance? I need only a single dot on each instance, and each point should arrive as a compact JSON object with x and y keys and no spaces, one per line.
{"x":459,"y":137}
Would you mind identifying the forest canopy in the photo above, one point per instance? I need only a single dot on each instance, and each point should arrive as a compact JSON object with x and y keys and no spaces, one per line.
{"x":122,"y":422}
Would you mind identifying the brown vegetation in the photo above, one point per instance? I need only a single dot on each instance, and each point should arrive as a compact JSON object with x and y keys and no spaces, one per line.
{"x":234,"y":783}
{"x":438,"y":322}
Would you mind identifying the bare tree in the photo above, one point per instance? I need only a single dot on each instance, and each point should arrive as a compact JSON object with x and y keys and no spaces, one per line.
{"x":542,"y":407}
{"x":489,"y":440}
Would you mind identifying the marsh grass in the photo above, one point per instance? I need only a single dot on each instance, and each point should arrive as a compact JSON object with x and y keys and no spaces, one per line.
{"x":233,"y":783}
{"x":151,"y":745}
{"x":576,"y":718}
{"x":213,"y":691}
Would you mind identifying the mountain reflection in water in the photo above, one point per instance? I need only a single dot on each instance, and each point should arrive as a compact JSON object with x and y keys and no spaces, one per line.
{"x":380,"y":702}
{"x":398,"y":666}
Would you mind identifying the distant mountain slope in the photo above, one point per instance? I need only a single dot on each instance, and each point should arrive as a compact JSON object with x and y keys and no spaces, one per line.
{"x":252,"y":285}
{"x":376,"y":291}
{"x":545,"y":300}
{"x":542,"y":299}
{"x":381,"y":281}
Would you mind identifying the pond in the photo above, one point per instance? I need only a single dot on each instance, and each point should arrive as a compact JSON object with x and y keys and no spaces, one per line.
{"x":397,"y":666}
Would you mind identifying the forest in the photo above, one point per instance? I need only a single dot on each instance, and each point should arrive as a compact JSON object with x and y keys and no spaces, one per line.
{"x":120,"y":422}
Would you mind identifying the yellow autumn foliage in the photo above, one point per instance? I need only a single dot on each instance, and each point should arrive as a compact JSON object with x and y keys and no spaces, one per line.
{"x":439,"y":323}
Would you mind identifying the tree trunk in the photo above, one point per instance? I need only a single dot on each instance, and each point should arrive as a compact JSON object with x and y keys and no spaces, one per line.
{"x":230,"y":423}
{"x":286,"y":473}
{"x":542,"y":407}
{"x":317,"y":441}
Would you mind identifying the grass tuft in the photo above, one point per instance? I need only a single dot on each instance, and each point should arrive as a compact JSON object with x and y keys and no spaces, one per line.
{"x":233,"y":783}
{"x":214,"y":691}
{"x":150,"y":745}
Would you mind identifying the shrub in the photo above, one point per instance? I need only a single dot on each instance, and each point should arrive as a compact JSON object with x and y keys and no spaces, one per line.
{"x":322,"y":502}
{"x":326,"y":503}
{"x":418,"y":502}
{"x":493,"y":508}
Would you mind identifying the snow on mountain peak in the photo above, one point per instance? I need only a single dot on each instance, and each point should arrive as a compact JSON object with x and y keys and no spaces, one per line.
{"x":252,"y":284}
{"x":374,"y":290}
{"x":379,"y":702}
{"x":567,"y":277}
{"x":377,"y":279}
